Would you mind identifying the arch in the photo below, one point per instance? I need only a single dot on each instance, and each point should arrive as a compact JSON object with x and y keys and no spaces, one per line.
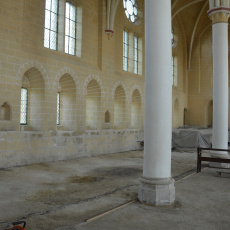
{"x":5,"y":111}
{"x":93,"y":105}
{"x":136,"y":109}
{"x":136,"y":87}
{"x":29,"y":65}
{"x":62,"y":72}
{"x":119,"y":107}
{"x":107,"y":117}
{"x":119,"y":83}
{"x":193,"y":34}
{"x":185,"y":6}
{"x":67,"y":103}
{"x":98,"y":80}
{"x":34,"y":83}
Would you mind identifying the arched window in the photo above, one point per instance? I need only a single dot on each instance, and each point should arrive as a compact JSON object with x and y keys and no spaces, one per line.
{"x":32,"y":100}
{"x":70,"y":28}
{"x":58,"y":108}
{"x":24,"y":103}
{"x":51,"y":24}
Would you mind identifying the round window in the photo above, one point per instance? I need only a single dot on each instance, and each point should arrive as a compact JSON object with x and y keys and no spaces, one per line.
{"x":130,"y":7}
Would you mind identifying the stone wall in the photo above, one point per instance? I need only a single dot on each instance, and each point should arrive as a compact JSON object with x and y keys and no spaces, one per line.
{"x":22,"y":148}
{"x":83,"y":130}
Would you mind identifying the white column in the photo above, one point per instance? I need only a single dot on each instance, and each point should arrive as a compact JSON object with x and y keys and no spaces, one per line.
{"x":157,"y":186}
{"x":219,"y":17}
{"x":220,"y":85}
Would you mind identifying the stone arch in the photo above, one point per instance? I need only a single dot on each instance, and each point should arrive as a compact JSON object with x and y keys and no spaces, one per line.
{"x":93,"y":105}
{"x":119,"y":107}
{"x":136,"y":87}
{"x":98,"y":80}
{"x":33,"y":86}
{"x":119,"y":83}
{"x":66,"y":101}
{"x":107,"y":116}
{"x":5,"y":111}
{"x":64,"y":71}
{"x":29,"y":65}
{"x":136,"y":104}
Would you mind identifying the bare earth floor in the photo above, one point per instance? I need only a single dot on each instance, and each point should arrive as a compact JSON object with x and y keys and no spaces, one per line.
{"x":62,"y":195}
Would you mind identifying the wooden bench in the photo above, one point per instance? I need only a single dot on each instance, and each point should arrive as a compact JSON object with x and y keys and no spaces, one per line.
{"x":210,"y":159}
{"x":220,"y":172}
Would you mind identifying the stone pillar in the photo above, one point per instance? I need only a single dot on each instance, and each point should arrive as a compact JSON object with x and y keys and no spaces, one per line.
{"x":219,"y":17}
{"x":157,"y":186}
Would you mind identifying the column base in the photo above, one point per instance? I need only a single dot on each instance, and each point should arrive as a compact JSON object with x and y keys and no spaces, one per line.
{"x":156,"y":191}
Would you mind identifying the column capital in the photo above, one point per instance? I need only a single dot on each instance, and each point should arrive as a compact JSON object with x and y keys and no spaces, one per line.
{"x":219,"y":15}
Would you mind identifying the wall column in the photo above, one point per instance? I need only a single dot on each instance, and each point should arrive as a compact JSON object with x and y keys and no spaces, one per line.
{"x":157,"y":186}
{"x":219,"y":17}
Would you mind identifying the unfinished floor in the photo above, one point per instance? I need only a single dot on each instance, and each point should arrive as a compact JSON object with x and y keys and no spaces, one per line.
{"x":62,"y":195}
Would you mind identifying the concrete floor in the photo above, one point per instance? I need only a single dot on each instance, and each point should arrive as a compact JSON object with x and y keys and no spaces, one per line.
{"x":62,"y":195}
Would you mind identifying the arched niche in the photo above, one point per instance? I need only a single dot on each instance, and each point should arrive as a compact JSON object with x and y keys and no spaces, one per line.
{"x":136,"y":110}
{"x":119,"y":108}
{"x":67,"y":103}
{"x":5,"y":112}
{"x":107,"y":117}
{"x":32,"y":111}
{"x":93,"y":105}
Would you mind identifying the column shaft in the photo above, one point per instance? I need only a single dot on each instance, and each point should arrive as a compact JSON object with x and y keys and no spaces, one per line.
{"x":220,"y":85}
{"x":157,"y":187}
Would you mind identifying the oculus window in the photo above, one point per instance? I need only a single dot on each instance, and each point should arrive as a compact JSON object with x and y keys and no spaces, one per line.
{"x":130,"y":7}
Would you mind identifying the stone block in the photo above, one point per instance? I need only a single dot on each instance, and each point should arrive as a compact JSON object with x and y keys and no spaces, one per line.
{"x":157,"y":194}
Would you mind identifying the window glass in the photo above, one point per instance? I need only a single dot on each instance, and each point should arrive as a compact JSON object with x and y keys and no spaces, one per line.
{"x":23,"y":113}
{"x":70,"y":29}
{"x":51,"y":22}
{"x":135,"y":54}
{"x":58,"y":108}
{"x":125,"y":50}
{"x":131,"y":10}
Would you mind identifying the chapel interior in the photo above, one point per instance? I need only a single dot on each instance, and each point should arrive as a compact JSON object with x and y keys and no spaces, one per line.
{"x":75,"y":87}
